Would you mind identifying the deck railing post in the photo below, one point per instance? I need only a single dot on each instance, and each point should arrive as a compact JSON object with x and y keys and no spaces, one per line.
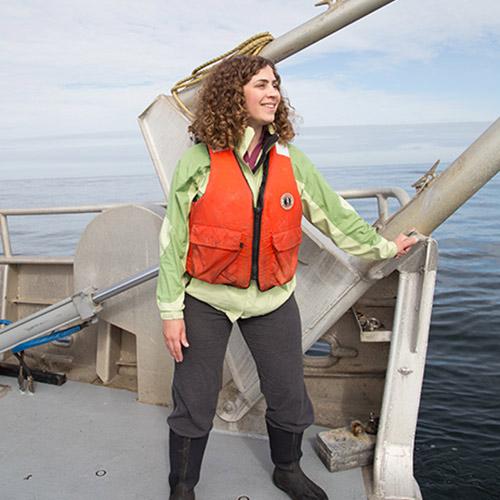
{"x":4,"y":230}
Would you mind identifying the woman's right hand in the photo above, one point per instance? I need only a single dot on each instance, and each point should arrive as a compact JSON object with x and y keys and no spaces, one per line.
{"x":404,"y":243}
{"x":174,"y":333}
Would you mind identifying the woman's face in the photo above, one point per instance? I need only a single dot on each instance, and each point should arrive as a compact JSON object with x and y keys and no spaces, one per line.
{"x":262,"y":97}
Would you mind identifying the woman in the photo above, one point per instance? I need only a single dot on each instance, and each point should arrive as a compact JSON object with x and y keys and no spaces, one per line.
{"x":229,"y":249}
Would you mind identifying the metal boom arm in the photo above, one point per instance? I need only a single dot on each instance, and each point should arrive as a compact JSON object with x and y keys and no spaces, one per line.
{"x":338,"y":16}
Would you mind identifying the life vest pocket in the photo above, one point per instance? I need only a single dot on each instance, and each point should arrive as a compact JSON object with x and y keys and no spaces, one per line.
{"x":213,"y":252}
{"x":286,"y":245}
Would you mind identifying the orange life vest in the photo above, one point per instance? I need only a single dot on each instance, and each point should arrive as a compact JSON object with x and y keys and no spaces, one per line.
{"x":232,"y":242}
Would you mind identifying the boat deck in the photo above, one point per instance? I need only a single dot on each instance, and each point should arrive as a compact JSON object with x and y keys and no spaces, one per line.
{"x":80,"y":442}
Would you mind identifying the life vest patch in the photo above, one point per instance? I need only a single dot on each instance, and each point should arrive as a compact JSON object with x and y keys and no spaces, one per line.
{"x":287,"y":201}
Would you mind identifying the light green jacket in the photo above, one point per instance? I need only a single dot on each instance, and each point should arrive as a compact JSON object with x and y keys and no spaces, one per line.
{"x":329,"y":212}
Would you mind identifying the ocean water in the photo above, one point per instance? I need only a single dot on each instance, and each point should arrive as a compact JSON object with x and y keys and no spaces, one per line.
{"x":457,"y":454}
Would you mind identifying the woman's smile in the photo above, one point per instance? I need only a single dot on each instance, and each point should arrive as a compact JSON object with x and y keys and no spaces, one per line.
{"x":262,"y":97}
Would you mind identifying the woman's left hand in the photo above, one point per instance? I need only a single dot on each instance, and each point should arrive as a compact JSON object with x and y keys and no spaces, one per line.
{"x":404,"y":243}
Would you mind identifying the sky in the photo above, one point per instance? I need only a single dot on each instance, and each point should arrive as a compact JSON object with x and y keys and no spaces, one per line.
{"x":89,"y":67}
{"x":86,"y":65}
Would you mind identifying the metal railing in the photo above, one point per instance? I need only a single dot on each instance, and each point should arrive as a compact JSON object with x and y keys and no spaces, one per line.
{"x":9,"y":258}
{"x":380,"y":194}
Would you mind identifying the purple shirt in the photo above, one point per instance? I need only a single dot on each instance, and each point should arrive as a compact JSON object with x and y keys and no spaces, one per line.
{"x":251,"y":158}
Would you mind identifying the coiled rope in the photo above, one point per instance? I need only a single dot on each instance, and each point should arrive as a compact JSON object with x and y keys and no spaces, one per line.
{"x":253,"y":46}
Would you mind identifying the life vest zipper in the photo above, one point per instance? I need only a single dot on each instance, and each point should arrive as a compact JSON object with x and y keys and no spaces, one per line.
{"x":257,"y":219}
{"x":269,"y":142}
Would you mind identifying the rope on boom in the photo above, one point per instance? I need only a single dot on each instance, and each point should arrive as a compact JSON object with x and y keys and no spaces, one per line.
{"x":253,"y":46}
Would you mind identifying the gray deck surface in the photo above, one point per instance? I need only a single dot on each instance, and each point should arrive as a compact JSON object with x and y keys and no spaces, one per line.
{"x":54,"y":442}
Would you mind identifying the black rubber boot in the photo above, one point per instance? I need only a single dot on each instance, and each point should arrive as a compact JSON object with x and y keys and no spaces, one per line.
{"x":288,"y":476}
{"x":186,"y":455}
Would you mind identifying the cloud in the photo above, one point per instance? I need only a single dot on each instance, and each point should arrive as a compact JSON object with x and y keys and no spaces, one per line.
{"x":342,"y":146}
{"x":417,"y":29}
{"x":332,"y":104}
{"x":95,"y":65}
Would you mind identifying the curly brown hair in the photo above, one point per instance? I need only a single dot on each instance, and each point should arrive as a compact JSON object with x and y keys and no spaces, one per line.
{"x":221,"y":115}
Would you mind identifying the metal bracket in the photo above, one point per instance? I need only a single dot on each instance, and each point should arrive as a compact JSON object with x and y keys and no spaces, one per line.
{"x":427,"y":179}
{"x":233,"y":409}
{"x":393,"y":465}
{"x":337,"y":351}
{"x":332,"y":4}
{"x":413,"y":261}
{"x":84,"y":304}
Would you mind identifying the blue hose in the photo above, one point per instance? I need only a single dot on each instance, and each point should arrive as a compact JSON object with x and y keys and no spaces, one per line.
{"x":55,"y":335}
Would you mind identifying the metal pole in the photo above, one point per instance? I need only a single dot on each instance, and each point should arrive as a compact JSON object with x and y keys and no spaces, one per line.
{"x":452,"y":188}
{"x":82,"y":306}
{"x":340,"y":14}
{"x":106,"y":293}
{"x":80,"y":209}
{"x":4,"y":230}
{"x":4,"y":269}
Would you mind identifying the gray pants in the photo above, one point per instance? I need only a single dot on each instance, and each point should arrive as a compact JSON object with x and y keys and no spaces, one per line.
{"x":275,"y":341}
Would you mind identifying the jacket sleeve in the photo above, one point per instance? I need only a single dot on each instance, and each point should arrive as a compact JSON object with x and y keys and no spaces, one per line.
{"x":334,"y":216}
{"x":174,"y":243}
